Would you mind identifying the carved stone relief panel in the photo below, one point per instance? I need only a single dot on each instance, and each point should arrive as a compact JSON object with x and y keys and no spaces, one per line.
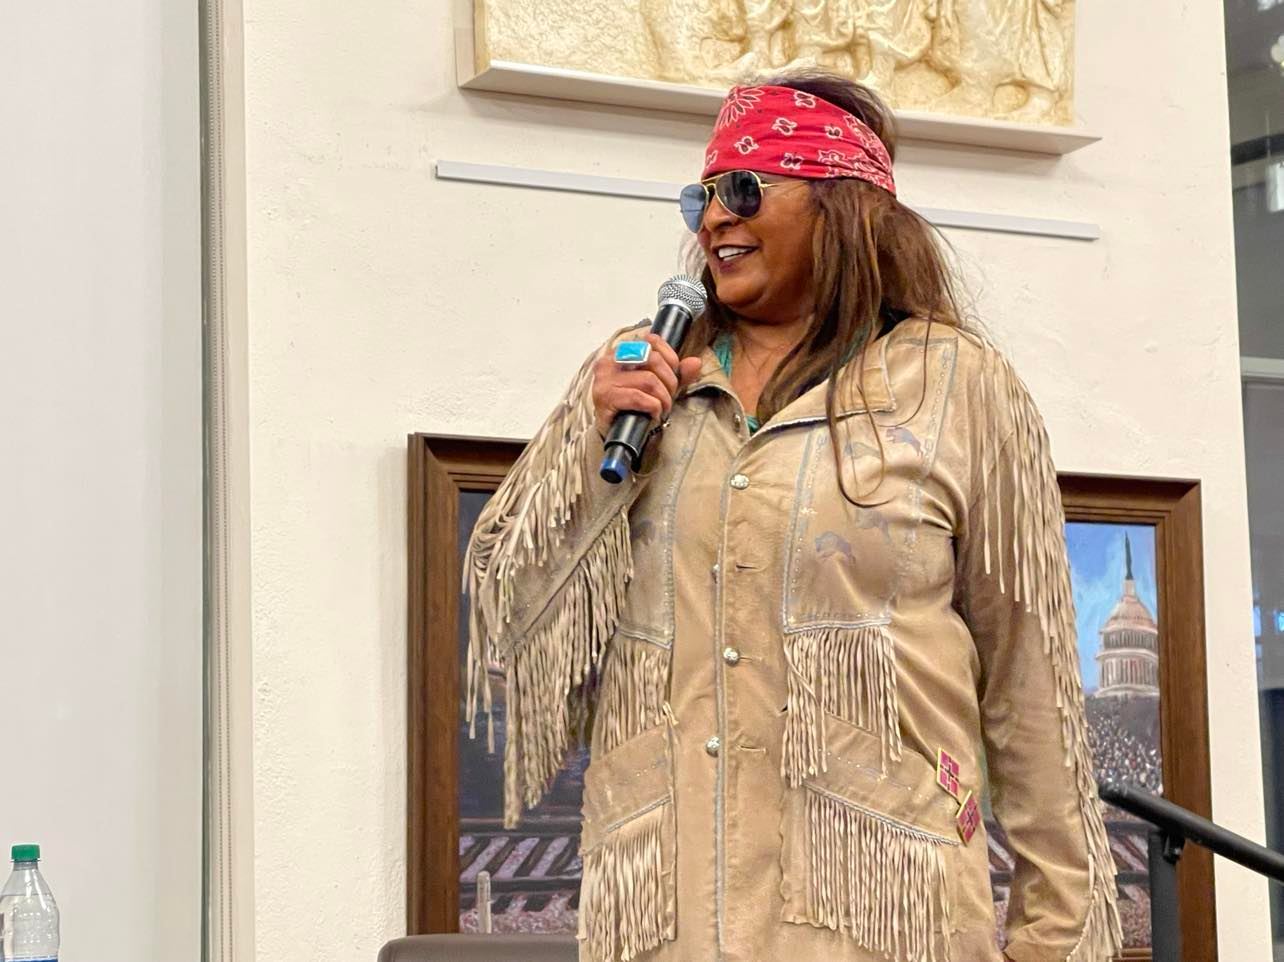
{"x":1002,"y":59}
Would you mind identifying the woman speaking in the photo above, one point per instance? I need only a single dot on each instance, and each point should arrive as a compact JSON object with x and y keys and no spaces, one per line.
{"x":830,"y":611}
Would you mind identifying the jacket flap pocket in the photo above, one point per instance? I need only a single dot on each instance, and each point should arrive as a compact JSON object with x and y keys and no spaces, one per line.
{"x":626,"y":782}
{"x":858,"y":839}
{"x":904,"y":791}
{"x":628,"y":896}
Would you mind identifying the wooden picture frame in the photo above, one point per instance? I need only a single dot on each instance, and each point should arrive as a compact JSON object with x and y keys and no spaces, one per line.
{"x":1174,"y":509}
{"x":443,"y":467}
{"x":440,"y":468}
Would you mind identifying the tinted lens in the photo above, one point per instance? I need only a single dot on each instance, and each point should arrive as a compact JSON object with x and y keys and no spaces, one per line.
{"x":739,"y":192}
{"x":692,"y":202}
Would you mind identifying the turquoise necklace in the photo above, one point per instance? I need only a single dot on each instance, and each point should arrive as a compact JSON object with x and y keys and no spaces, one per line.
{"x":722,"y":351}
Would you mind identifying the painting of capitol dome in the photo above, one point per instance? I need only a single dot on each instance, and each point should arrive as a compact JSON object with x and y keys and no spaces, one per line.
{"x":1129,"y":656}
{"x":1112,"y":570}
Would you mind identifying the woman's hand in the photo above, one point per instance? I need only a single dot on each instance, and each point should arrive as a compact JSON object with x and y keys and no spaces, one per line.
{"x":649,"y":389}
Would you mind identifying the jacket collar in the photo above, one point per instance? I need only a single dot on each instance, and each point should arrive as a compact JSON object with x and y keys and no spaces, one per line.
{"x":810,"y":406}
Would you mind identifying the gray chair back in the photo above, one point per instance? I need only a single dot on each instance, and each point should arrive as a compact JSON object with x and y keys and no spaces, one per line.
{"x":481,"y":948}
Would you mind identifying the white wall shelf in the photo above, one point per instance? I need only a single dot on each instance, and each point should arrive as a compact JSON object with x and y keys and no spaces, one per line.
{"x":533,"y":80}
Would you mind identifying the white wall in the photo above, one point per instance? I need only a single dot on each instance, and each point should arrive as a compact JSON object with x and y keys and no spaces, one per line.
{"x":383,"y":301}
{"x":100,"y":510}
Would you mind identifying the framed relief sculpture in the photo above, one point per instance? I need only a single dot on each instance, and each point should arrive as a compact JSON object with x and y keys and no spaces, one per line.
{"x":996,"y":60}
{"x":1136,"y":571}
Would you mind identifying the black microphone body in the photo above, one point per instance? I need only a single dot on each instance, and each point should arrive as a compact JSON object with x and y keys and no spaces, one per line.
{"x":681,"y":302}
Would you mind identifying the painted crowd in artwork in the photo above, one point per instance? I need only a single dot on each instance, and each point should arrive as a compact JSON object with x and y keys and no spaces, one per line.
{"x":535,"y":868}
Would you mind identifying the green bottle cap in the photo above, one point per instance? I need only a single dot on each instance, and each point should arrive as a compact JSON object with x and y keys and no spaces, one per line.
{"x":26,"y":853}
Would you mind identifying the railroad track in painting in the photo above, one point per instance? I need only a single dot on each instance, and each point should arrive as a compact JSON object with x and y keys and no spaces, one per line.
{"x":537,"y":862}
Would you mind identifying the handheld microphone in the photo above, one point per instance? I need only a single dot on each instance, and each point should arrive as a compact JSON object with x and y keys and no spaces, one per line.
{"x":682,"y":300}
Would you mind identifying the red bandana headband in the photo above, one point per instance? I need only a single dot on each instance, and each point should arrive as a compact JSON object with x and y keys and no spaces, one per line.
{"x":779,"y":130}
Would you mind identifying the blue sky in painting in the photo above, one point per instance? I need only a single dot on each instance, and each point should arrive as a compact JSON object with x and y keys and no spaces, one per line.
{"x":1096,"y":573}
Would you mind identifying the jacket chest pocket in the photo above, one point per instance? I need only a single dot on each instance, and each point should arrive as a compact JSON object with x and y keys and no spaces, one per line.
{"x":844,"y":567}
{"x":871,"y":853}
{"x":628,"y":896}
{"x":845,"y":560}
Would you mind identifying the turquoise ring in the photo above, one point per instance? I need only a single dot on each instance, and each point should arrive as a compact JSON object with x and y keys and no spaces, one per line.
{"x":632,"y":353}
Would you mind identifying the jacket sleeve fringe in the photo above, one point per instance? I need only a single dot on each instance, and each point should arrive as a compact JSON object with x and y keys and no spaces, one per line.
{"x":548,"y":674}
{"x":1025,"y":551}
{"x":541,"y":615}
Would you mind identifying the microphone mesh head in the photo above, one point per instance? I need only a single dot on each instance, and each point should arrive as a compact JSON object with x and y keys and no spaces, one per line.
{"x":685,"y":290}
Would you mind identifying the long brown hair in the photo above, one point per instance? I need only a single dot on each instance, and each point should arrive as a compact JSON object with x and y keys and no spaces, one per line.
{"x":874,"y":262}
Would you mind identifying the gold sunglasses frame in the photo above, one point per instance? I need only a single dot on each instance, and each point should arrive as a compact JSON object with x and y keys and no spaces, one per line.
{"x":711,"y":190}
{"x":711,"y":193}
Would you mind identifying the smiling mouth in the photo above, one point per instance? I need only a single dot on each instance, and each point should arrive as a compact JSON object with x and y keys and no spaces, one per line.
{"x":730,"y":253}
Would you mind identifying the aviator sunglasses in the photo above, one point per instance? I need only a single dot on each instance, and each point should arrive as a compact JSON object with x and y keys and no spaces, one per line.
{"x":739,"y":191}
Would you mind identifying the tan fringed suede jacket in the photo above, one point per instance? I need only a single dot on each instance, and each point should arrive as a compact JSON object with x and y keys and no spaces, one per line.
{"x":791,"y":695}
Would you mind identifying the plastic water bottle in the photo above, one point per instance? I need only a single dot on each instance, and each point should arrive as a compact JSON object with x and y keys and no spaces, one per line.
{"x":28,"y":913}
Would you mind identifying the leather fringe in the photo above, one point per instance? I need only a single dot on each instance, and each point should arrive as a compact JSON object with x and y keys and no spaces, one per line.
{"x":521,"y":522}
{"x":1027,"y":553}
{"x":546,"y":675}
{"x":1102,"y":937}
{"x":623,"y":902}
{"x":546,"y":672}
{"x":843,"y":671}
{"x":882,"y":881}
{"x":631,"y":696}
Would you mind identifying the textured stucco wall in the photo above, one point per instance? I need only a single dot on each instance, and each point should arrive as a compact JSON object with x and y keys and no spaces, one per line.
{"x":383,"y":301}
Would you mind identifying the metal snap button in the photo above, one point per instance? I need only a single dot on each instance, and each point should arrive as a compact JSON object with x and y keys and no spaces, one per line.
{"x":712,"y":745}
{"x":730,"y":655}
{"x":739,"y":482}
